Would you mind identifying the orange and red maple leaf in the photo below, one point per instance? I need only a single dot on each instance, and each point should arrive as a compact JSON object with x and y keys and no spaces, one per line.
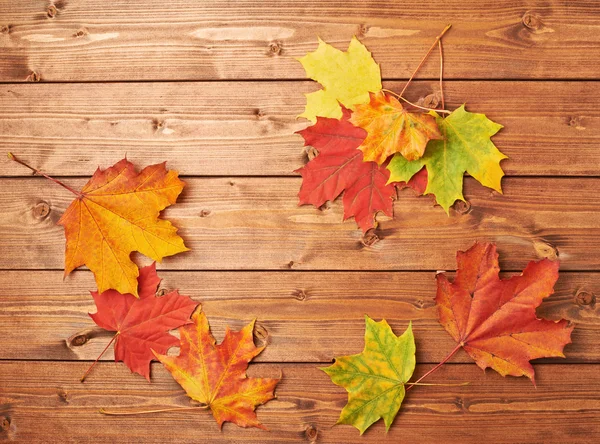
{"x":215,"y":375}
{"x":495,"y":320}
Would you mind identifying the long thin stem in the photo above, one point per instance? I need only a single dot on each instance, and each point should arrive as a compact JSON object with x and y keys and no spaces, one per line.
{"x":442,"y":73}
{"x":143,"y":412}
{"x":11,"y":156}
{"x":452,"y":353}
{"x":98,"y":358}
{"x":437,"y":39}
{"x":450,"y":384}
{"x":445,"y":111}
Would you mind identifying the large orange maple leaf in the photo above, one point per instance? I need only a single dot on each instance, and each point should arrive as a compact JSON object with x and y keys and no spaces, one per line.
{"x":116,"y":213}
{"x":215,"y":375}
{"x":495,"y":320}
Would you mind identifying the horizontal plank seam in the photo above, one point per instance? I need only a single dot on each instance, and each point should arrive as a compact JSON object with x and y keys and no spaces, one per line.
{"x":303,"y":79}
{"x":293,"y":176}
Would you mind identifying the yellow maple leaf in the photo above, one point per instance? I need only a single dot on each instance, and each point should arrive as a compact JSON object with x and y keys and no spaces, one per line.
{"x":392,"y":129}
{"x":347,"y":78}
{"x":116,"y":213}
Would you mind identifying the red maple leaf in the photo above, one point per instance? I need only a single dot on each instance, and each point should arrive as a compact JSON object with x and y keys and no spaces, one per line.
{"x":495,"y":320}
{"x":143,"y":324}
{"x":339,"y":167}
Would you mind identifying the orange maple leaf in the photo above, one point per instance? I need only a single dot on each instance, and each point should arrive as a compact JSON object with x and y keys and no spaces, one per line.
{"x":495,"y":320}
{"x":117,"y":212}
{"x":392,"y":129}
{"x":215,"y":375}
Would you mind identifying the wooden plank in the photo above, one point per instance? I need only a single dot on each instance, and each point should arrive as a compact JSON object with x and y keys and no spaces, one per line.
{"x":563,"y":408}
{"x":255,"y":223}
{"x":207,"y":128}
{"x":302,"y":317}
{"x":145,"y":40}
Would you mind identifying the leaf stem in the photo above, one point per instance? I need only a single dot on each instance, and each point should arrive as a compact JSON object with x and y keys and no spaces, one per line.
{"x":442,"y":73}
{"x":444,"y":111}
{"x":98,"y":358}
{"x":453,"y":384}
{"x":143,"y":412}
{"x":11,"y":156}
{"x":452,"y":353}
{"x":437,"y":39}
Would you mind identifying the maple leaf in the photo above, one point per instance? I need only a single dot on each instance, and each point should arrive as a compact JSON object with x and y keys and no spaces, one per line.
{"x":116,"y":213}
{"x":215,"y":375}
{"x":339,"y":167}
{"x":347,"y":78}
{"x":495,"y":320}
{"x":142,"y":324}
{"x":392,"y":129}
{"x":466,"y":147}
{"x":375,"y":378}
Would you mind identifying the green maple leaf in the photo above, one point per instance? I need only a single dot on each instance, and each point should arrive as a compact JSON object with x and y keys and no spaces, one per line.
{"x":375,"y":378}
{"x":466,"y":147}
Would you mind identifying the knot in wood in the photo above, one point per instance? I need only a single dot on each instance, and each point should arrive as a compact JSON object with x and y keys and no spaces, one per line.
{"x":41,"y":210}
{"x":5,"y":424}
{"x":204,"y":213}
{"x":312,"y":433}
{"x":79,"y":340}
{"x":362,"y":30}
{"x":81,"y":32}
{"x":261,"y":335}
{"x":311,"y":152}
{"x":462,"y":207}
{"x":369,"y":238}
{"x":5,"y":29}
{"x":299,"y":294}
{"x":51,"y":11}
{"x":34,"y":77}
{"x":430,"y":101}
{"x":585,"y":298}
{"x":275,"y":48}
{"x":531,"y":21}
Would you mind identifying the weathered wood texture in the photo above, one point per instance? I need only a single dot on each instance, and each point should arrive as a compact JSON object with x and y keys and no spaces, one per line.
{"x":302,"y":317}
{"x":68,"y":40}
{"x":247,"y":128}
{"x":44,"y":401}
{"x":254,"y":223}
{"x":307,"y":277}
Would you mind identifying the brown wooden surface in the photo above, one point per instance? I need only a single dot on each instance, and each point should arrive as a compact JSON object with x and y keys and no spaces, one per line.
{"x":302,"y":317}
{"x":255,"y":223}
{"x":45,"y":401}
{"x":247,"y":128}
{"x":67,"y":40}
{"x":212,"y":87}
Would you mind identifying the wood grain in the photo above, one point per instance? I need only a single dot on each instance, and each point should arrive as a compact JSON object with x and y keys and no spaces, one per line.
{"x":255,"y":223}
{"x":301,"y":316}
{"x":44,"y":401}
{"x":247,"y":128}
{"x":93,"y":40}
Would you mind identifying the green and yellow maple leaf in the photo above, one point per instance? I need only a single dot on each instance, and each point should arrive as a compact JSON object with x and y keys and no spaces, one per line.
{"x":347,"y":78}
{"x":466,"y":147}
{"x":375,"y":378}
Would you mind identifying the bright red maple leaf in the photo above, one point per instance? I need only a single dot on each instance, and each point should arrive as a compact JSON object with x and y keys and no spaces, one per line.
{"x":495,"y":320}
{"x":339,"y":167}
{"x":142,"y":324}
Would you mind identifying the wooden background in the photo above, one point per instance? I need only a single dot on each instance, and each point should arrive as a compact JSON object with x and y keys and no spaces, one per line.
{"x":213,"y":88}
